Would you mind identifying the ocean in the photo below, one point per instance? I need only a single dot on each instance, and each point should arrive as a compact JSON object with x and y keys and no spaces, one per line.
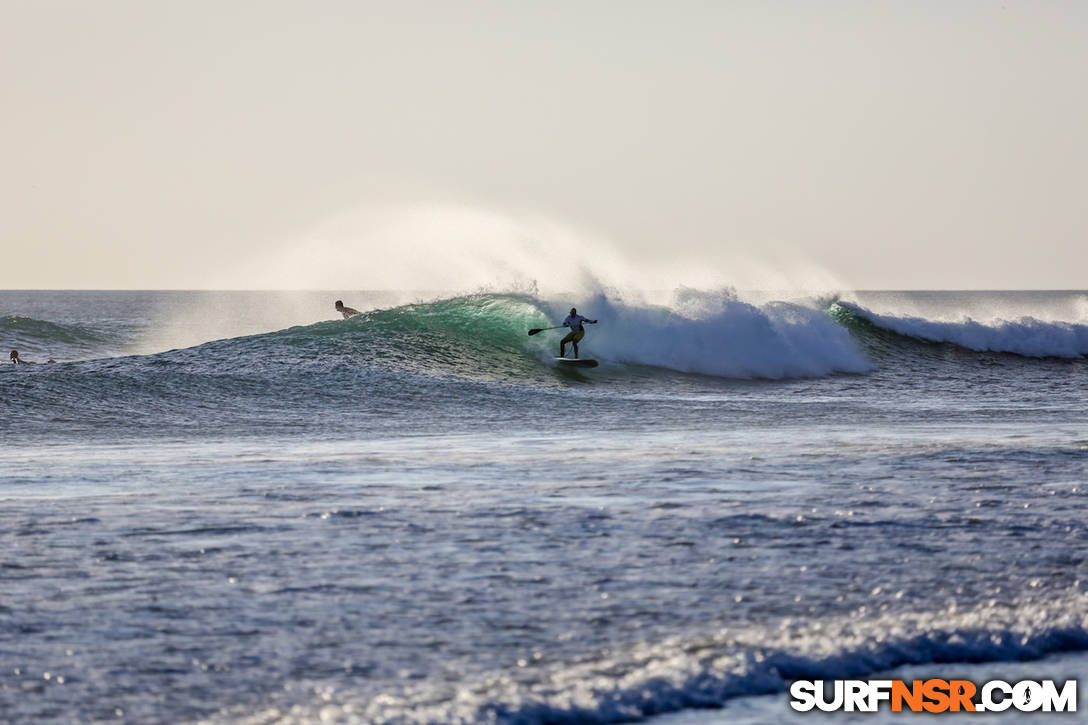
{"x":234,"y":508}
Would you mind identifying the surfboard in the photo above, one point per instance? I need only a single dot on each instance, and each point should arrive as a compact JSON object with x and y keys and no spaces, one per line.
{"x":576,"y":362}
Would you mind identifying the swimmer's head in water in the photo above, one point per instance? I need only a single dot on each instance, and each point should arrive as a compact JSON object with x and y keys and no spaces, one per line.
{"x":339,"y":305}
{"x":14,"y":355}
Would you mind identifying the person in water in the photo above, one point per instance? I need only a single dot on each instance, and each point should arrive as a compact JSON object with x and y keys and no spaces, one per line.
{"x":15,"y":359}
{"x":574,"y":321}
{"x":346,"y":311}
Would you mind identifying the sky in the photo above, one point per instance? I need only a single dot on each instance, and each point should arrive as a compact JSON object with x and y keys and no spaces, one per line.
{"x":340,"y":144}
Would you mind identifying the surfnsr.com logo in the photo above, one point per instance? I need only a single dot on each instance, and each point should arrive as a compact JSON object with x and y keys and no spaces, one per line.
{"x":934,"y":695}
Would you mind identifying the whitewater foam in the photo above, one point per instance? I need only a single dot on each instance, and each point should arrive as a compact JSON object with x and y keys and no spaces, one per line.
{"x":716,"y":333}
{"x":655,"y":678}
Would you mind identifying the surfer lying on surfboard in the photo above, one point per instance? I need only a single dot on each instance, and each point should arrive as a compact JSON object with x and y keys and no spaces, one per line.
{"x":574,"y":321}
{"x":346,"y":311}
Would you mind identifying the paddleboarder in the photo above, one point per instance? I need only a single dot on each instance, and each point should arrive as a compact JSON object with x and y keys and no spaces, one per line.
{"x":574,"y":321}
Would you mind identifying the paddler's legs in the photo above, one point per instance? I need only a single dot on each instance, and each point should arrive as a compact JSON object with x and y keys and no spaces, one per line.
{"x":575,"y":337}
{"x":563,"y":344}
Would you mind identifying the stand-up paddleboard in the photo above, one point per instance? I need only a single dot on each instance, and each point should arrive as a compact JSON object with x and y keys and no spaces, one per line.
{"x":576,"y":362}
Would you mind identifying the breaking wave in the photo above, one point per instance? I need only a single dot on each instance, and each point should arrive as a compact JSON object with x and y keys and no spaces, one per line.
{"x":711,"y":334}
{"x":1026,"y":336}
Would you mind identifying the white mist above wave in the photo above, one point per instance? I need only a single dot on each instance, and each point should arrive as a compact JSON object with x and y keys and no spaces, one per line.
{"x":459,"y":246}
{"x":1026,"y":335}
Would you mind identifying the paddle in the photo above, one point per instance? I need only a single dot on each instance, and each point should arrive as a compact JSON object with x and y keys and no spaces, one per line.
{"x":557,"y":327}
{"x":542,"y":329}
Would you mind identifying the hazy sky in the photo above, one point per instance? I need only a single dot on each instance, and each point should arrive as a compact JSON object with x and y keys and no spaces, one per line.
{"x":346,"y":144}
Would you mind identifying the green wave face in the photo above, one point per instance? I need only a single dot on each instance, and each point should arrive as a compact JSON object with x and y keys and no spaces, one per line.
{"x":478,"y":336}
{"x":37,"y":340}
{"x":887,"y":346}
{"x":26,"y":329}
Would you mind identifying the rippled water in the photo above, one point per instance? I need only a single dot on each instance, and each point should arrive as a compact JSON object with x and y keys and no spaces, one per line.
{"x":315,"y":525}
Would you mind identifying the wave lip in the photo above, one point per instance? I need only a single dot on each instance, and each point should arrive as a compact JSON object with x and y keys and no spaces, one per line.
{"x":1027,"y":336}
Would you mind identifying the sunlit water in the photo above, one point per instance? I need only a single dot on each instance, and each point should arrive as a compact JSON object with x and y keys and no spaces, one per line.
{"x":412,"y":516}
